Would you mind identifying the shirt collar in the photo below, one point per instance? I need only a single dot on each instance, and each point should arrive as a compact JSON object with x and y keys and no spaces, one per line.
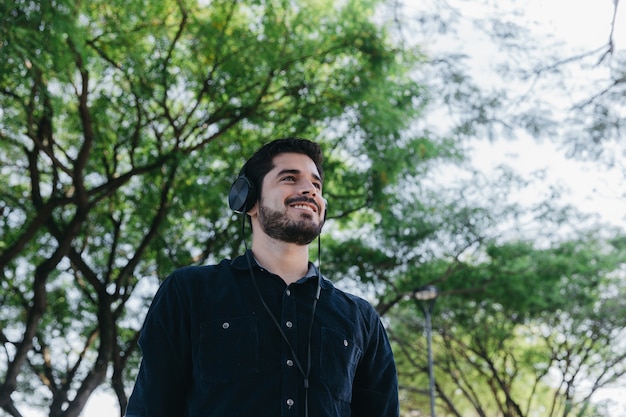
{"x":241,"y":263}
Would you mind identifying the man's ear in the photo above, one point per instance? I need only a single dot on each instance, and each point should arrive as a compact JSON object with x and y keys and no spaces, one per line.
{"x":254,"y":211}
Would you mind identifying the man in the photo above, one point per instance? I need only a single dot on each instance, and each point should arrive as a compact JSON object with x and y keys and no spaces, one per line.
{"x":265,"y":335}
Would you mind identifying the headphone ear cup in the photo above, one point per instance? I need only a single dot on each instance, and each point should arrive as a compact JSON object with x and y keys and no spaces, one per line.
{"x":242,"y":195}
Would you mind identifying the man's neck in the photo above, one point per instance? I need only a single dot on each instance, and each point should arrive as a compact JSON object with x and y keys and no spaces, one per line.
{"x":287,"y":260}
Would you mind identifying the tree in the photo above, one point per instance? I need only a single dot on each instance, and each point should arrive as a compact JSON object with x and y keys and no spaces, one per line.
{"x":122,"y":126}
{"x":526,"y":331}
{"x":517,"y":95}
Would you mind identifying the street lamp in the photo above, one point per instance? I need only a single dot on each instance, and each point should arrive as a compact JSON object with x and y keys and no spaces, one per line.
{"x":426,"y":297}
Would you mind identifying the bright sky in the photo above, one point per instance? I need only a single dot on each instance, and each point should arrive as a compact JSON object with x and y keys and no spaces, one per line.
{"x":585,"y":23}
{"x":580,"y":26}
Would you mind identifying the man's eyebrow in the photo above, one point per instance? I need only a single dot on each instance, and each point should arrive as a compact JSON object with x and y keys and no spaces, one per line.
{"x":296,"y":172}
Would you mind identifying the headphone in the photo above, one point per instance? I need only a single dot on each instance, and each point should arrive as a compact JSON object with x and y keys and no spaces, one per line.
{"x":242,"y":195}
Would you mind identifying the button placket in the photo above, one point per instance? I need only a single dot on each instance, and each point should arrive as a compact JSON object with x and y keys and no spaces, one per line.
{"x":290,"y":372}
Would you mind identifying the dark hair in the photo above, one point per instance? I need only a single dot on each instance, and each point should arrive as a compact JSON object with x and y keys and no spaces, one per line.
{"x":262,"y":162}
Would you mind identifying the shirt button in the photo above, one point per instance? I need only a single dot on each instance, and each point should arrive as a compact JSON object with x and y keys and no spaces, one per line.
{"x":225,"y":325}
{"x":289,"y":402}
{"x":289,"y":362}
{"x":345,"y":342}
{"x":289,"y":324}
{"x":288,"y":292}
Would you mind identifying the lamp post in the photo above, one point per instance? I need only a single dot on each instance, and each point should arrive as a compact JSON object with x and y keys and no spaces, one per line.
{"x":426,"y":297}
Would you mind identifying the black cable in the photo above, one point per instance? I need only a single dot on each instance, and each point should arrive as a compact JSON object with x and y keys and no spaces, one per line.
{"x":305,"y":374}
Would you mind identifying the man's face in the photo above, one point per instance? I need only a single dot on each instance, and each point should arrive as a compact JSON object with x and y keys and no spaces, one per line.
{"x":291,"y":207}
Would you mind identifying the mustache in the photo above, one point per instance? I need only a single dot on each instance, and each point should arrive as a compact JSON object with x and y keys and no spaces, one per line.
{"x":303,"y":199}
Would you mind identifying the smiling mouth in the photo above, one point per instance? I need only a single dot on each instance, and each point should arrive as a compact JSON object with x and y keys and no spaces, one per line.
{"x":304,"y":207}
{"x":304,"y":203}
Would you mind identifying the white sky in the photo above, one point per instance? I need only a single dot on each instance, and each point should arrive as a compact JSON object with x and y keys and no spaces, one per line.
{"x":585,"y":24}
{"x":582,"y":23}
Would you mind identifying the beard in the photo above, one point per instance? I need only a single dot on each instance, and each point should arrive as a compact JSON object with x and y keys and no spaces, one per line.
{"x":278,"y":225}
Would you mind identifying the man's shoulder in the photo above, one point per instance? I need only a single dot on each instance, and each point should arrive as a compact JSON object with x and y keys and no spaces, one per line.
{"x":202,"y":269}
{"x":348,"y":297}
{"x":200,"y":274}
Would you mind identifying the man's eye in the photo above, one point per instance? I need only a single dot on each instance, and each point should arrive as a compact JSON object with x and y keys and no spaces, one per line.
{"x":290,"y":178}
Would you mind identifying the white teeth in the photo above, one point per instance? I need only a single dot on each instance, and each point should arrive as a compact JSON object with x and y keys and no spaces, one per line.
{"x":302,"y":206}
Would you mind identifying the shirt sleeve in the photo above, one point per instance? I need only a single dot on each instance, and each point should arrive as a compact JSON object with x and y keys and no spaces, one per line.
{"x":164,"y":374}
{"x":375,"y":389}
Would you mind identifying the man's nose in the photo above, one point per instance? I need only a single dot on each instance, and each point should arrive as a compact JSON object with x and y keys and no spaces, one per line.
{"x":308,"y":188}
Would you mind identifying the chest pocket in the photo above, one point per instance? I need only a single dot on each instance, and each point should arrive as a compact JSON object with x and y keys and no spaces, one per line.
{"x":228,"y":349}
{"x":339,"y":358}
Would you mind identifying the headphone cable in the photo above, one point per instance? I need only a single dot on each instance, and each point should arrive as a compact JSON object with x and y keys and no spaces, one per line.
{"x":305,"y":374}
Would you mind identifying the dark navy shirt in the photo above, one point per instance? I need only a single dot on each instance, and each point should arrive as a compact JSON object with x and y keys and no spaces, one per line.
{"x":210,"y":349}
